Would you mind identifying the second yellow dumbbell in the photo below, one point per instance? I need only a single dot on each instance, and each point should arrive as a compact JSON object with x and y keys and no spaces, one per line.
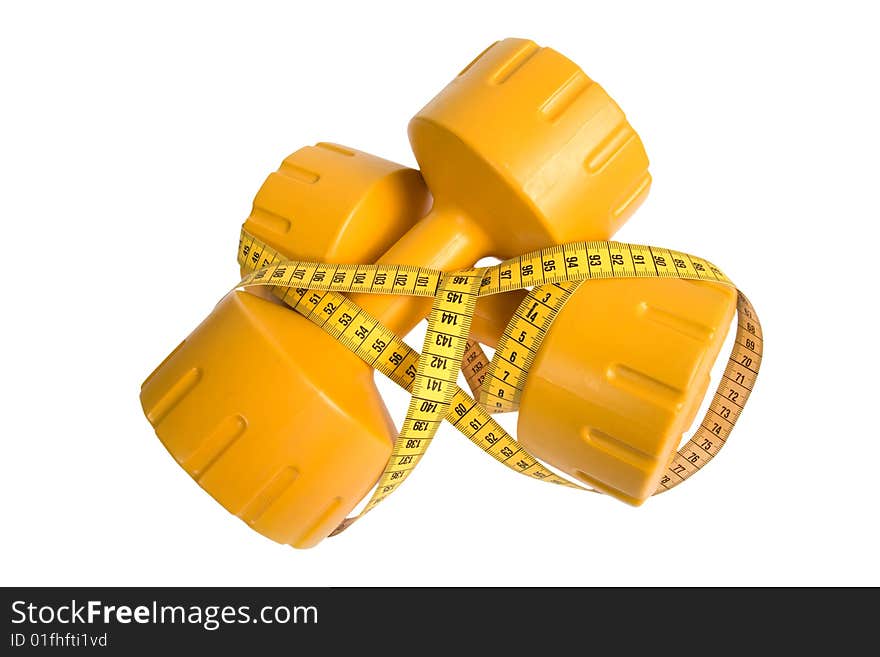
{"x":618,"y":378}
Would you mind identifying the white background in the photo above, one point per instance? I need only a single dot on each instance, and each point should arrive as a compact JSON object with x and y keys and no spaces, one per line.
{"x":130,"y":138}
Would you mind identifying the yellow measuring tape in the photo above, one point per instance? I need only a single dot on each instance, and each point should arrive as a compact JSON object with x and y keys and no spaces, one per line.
{"x":314,"y":290}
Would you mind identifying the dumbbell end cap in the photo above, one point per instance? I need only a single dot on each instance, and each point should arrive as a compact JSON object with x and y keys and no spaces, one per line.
{"x":278,"y":422}
{"x":620,"y":377}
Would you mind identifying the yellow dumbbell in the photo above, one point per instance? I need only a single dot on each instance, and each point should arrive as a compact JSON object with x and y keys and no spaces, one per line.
{"x":520,"y":151}
{"x":618,"y":378}
{"x":231,"y":402}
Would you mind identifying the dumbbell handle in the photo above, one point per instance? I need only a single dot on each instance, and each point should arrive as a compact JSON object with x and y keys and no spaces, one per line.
{"x":492,"y":315}
{"x":446,"y":239}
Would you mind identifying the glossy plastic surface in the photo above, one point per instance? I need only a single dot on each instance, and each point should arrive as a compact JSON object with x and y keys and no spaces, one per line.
{"x":278,"y":422}
{"x":619,"y":378}
{"x":521,"y":151}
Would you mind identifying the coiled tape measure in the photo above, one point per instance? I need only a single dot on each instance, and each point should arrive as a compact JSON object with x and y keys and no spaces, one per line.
{"x":314,"y":290}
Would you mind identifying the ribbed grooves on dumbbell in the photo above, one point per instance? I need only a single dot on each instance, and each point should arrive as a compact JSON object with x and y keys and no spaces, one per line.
{"x":678,"y":323}
{"x":320,"y":521}
{"x":598,"y":484}
{"x":566,"y":95}
{"x":614,"y":142}
{"x":476,"y":59}
{"x":269,"y":494}
{"x":163,"y":363}
{"x":514,"y":62}
{"x":173,"y":395}
{"x":643,"y":385}
{"x":637,"y":192}
{"x":214,"y":445}
{"x":616,"y":448}
{"x":270,"y":221}
{"x":298,"y":173}
{"x":336,"y":148}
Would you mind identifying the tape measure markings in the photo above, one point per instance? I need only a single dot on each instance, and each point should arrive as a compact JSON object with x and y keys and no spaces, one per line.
{"x":431,"y":378}
{"x":727,"y":402}
{"x":490,"y":436}
{"x":473,"y":364}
